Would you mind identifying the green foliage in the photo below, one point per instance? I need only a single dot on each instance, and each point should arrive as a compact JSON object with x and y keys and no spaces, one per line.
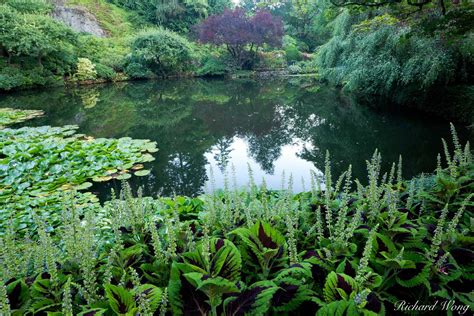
{"x":30,"y":6}
{"x":215,"y":66}
{"x":138,"y":71}
{"x":39,"y":165}
{"x":105,"y":72}
{"x":241,"y":260}
{"x":11,"y":116}
{"x":291,"y":49}
{"x":85,"y":70}
{"x":162,"y":51}
{"x":13,"y":77}
{"x":176,"y":15}
{"x":388,"y":61}
{"x":36,"y":50}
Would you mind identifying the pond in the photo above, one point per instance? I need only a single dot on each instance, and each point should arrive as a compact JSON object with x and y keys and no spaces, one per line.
{"x":217,"y":127}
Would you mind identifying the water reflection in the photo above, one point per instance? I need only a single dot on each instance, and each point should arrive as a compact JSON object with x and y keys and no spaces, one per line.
{"x":271,"y":126}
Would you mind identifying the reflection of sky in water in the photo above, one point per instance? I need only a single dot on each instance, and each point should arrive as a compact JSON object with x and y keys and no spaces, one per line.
{"x":239,"y":157}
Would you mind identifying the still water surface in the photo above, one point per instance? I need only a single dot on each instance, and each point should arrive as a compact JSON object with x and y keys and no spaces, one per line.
{"x":271,"y":126}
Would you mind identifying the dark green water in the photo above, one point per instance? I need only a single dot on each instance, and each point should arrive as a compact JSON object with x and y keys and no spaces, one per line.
{"x":270,"y":125}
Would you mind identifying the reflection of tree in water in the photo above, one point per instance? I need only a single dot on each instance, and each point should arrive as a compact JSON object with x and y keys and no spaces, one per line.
{"x":189,"y":118}
{"x":222,"y":152}
{"x":185,"y":174}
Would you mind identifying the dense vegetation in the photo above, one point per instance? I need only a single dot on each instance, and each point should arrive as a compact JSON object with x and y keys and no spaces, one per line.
{"x":347,"y":248}
{"x":382,"y":52}
{"x":40,"y":166}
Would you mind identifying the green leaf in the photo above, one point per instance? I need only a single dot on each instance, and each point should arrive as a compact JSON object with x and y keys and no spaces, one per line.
{"x":255,"y":300}
{"x":338,"y":286}
{"x":83,"y":186}
{"x":142,"y":173}
{"x":120,"y":300}
{"x":124,"y":176}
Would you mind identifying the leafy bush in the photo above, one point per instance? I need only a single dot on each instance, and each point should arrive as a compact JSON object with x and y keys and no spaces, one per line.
{"x":104,"y":72}
{"x":272,"y":60}
{"x":30,"y":6}
{"x":214,"y":66}
{"x":291,"y":49}
{"x":13,"y":77}
{"x":295,"y":69}
{"x":162,"y":51}
{"x":138,"y":71}
{"x":85,"y":70}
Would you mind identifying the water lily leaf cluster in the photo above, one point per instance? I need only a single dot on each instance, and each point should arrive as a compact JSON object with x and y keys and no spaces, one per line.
{"x":37,"y":165}
{"x":10,"y":116}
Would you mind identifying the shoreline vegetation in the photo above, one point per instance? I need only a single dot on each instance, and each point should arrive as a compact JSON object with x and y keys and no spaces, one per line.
{"x":350,"y":248}
{"x":381,"y":54}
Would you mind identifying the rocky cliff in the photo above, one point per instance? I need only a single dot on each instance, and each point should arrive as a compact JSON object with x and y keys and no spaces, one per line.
{"x":78,"y":18}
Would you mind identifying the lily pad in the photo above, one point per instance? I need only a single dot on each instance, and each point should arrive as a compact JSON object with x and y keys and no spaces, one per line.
{"x":10,"y":116}
{"x":142,"y":173}
{"x":124,"y":176}
{"x":83,"y":186}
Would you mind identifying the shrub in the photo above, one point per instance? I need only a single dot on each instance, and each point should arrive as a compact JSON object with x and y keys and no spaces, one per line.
{"x":104,"y":72}
{"x":272,"y":60}
{"x":291,"y":49}
{"x":162,"y":51}
{"x":138,"y":71}
{"x":85,"y":70}
{"x":12,"y":77}
{"x":214,"y":66}
{"x":295,"y":69}
{"x":30,"y":6}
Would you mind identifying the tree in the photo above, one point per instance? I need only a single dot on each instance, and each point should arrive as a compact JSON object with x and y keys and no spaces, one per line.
{"x":162,"y":51}
{"x":31,"y":35}
{"x":242,"y":35}
{"x":176,"y":15}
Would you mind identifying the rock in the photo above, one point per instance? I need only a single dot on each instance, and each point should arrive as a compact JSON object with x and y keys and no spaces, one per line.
{"x":77,"y":18}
